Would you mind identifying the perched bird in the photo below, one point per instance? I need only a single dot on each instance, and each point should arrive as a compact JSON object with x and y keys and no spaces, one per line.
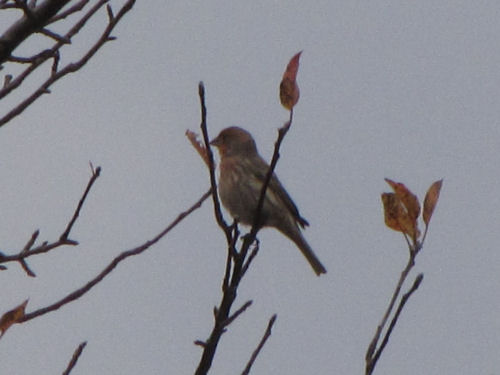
{"x":242,"y":173}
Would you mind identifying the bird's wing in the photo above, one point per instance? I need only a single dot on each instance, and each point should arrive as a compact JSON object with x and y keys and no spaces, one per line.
{"x":275,"y":185}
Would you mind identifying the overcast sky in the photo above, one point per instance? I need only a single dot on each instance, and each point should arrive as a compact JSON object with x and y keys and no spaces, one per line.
{"x":408,"y":90}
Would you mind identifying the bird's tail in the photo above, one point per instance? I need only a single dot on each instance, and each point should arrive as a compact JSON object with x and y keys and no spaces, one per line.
{"x":297,"y":237}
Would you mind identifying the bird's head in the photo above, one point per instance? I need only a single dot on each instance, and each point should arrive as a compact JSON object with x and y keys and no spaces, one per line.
{"x":234,"y":141}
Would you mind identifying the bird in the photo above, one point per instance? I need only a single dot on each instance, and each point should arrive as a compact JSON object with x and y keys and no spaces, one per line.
{"x":242,"y":174}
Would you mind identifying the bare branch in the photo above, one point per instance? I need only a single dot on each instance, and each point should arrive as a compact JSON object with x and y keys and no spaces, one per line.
{"x":32,"y":21}
{"x":73,"y":9}
{"x":95,"y":175}
{"x":236,"y":261}
{"x":262,"y":342}
{"x":281,"y":135}
{"x":250,"y":258}
{"x":55,"y":36}
{"x":63,"y":239}
{"x":372,"y":353}
{"x":71,"y":67}
{"x":44,"y":55}
{"x":211,"y":164}
{"x":394,"y":320}
{"x":106,"y":271}
{"x":74,"y":358}
{"x":238,"y":312}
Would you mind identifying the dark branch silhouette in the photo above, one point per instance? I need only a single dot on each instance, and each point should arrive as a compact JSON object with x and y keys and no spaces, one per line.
{"x":267,"y":334}
{"x":77,"y":353}
{"x":237,"y":262}
{"x":32,"y":21}
{"x":373,"y":352}
{"x":63,"y":240}
{"x":394,"y":320}
{"x":106,"y":271}
{"x":9,"y":41}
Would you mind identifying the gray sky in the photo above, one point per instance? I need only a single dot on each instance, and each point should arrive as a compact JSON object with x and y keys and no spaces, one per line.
{"x":405,"y":90}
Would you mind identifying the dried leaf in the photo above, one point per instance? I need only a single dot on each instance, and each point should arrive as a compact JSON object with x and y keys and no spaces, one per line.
{"x":289,"y":91}
{"x":430,"y":200}
{"x":396,"y":216}
{"x":200,"y":147}
{"x":11,"y":317}
{"x":392,"y":211}
{"x":409,"y":200}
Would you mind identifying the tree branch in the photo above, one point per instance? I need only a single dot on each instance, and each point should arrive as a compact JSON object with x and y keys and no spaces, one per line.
{"x":211,"y":164}
{"x":106,"y":271}
{"x":28,"y":251}
{"x":32,"y":21}
{"x":373,"y":353}
{"x":236,"y":263}
{"x":394,"y":320}
{"x":262,"y":342}
{"x":74,"y":358}
{"x":69,"y":68}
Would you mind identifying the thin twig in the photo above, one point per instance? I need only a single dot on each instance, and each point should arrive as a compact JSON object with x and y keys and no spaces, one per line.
{"x":211,"y":164}
{"x":106,"y":271}
{"x":69,"y":68}
{"x":95,"y":175}
{"x":55,"y":36}
{"x":44,"y":55}
{"x":276,"y":154}
{"x":370,"y":358}
{"x":238,"y":312}
{"x":251,"y":257}
{"x":262,"y":342}
{"x":394,"y":320}
{"x":74,"y":358}
{"x":31,"y":22}
{"x":73,"y":9}
{"x":28,"y":251}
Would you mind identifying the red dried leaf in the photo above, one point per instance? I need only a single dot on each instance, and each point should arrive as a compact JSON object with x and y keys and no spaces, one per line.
{"x":289,"y":91}
{"x":430,"y":200}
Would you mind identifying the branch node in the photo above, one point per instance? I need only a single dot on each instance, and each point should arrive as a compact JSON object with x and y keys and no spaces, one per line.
{"x":22,"y":4}
{"x":58,"y":38}
{"x":237,"y":313}
{"x":30,"y":242}
{"x":26,"y":268}
{"x":111,"y":16}
{"x":203,"y":344}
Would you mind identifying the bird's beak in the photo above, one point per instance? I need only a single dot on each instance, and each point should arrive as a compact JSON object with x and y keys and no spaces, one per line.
{"x":216,"y":142}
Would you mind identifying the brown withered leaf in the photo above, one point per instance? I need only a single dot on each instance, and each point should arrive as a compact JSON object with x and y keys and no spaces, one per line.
{"x":409,"y":200}
{"x":396,"y":216}
{"x":392,"y":211}
{"x":430,"y":200}
{"x":289,"y":91}
{"x":199,"y":147}
{"x":11,"y":317}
